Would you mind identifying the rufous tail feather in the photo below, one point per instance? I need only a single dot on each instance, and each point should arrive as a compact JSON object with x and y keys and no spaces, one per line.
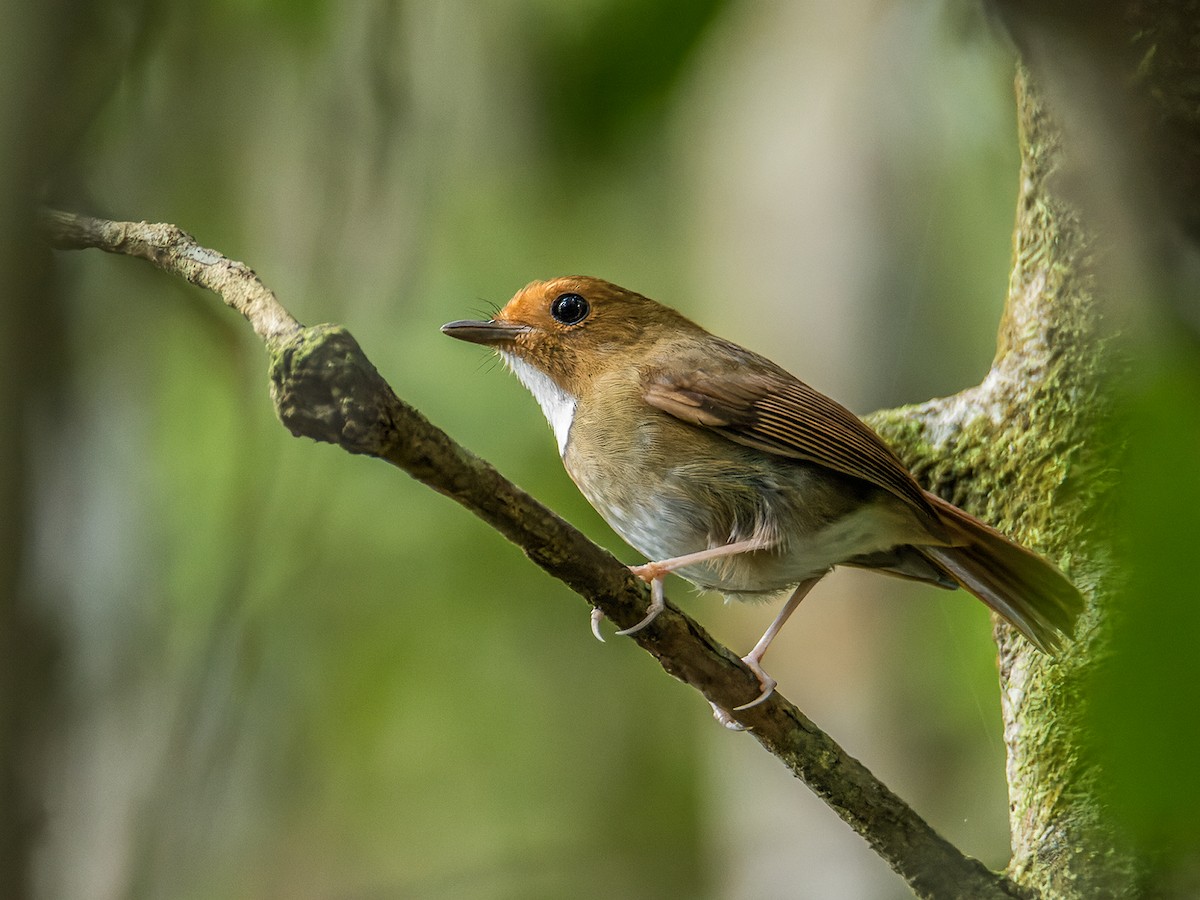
{"x":1021,"y":586}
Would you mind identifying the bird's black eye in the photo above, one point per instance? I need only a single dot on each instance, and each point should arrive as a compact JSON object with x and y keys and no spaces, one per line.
{"x":570,"y":309}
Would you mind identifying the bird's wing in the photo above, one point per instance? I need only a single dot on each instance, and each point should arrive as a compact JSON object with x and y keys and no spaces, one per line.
{"x":764,"y":407}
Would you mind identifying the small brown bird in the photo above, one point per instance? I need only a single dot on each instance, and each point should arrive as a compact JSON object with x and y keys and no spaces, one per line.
{"x":725,"y":469}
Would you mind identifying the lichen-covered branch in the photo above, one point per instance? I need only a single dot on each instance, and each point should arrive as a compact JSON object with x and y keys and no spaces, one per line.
{"x":175,"y":251}
{"x":325,"y":388}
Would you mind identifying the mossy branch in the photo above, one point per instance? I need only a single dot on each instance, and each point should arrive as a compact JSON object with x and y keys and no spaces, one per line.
{"x":326,"y":389}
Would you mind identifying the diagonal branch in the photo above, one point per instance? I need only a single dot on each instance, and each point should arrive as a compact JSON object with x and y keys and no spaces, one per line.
{"x":325,"y":388}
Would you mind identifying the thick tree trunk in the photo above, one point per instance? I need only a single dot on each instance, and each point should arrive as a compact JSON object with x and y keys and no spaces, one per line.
{"x":1105,"y":239}
{"x":1025,"y":451}
{"x":1106,"y":223}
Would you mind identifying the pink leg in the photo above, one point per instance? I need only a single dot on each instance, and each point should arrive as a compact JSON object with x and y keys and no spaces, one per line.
{"x":753,"y":659}
{"x":655,"y":572}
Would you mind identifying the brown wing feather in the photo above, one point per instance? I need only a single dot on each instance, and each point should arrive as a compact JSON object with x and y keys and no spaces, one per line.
{"x":752,"y":401}
{"x":770,"y":410}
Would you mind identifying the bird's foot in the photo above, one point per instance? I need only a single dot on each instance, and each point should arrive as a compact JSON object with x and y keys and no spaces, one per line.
{"x":766,"y":682}
{"x":658,"y":603}
{"x":726,"y":719}
{"x":658,"y":600}
{"x":654,"y":573}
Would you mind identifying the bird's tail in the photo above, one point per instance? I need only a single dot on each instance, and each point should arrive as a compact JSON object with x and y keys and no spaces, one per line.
{"x":1025,"y":589}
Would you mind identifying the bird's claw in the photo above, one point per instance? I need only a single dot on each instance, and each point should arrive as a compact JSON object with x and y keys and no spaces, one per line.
{"x":651,"y":615}
{"x":768,"y":685}
{"x":597,"y":618}
{"x":726,"y":719}
{"x":658,"y":602}
{"x":766,"y":682}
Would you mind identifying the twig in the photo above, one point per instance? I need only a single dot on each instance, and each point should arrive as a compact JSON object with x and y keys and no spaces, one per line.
{"x":175,"y":251}
{"x":325,"y":388}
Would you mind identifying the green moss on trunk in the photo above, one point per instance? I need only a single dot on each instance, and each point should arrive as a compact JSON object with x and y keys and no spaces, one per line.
{"x":1026,"y":451}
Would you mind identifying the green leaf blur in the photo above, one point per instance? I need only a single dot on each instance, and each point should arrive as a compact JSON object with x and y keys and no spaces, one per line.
{"x":296,"y":673}
{"x":1145,"y":695}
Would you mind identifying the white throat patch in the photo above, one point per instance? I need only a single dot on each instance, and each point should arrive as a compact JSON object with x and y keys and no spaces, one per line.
{"x":557,"y":405}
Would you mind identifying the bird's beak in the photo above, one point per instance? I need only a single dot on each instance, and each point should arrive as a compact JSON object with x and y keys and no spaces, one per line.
{"x":484,"y":332}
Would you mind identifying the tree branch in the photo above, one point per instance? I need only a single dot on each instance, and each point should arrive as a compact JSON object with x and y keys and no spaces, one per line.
{"x":325,"y":388}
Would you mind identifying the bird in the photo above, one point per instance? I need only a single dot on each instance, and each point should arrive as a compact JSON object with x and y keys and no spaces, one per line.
{"x":720,"y":466}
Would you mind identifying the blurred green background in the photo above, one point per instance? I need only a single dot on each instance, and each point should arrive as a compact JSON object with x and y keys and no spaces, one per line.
{"x":296,"y":673}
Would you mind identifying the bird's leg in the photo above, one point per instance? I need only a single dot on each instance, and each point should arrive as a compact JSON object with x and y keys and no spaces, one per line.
{"x":753,"y":659}
{"x":656,"y":571}
{"x":653,"y":573}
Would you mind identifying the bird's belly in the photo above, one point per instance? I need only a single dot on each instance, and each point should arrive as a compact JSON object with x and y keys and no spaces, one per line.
{"x":791,"y":559}
{"x":804,"y":544}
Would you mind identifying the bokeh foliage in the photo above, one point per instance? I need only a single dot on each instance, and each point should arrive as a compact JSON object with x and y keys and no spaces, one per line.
{"x":294,"y":673}
{"x":1145,"y":694}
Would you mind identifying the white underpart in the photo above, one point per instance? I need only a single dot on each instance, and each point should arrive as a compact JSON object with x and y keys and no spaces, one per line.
{"x":557,"y":405}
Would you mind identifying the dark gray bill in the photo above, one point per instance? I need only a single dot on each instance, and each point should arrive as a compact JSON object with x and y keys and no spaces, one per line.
{"x":483,"y":332}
